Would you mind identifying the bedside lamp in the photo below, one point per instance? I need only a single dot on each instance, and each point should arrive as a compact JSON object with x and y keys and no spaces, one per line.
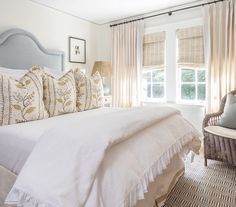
{"x":105,"y":70}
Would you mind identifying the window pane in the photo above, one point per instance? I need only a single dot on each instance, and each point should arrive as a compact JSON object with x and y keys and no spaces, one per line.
{"x":188,"y":75}
{"x":188,"y":91}
{"x":201,"y":76}
{"x":201,"y":92}
{"x":144,"y":90}
{"x":158,"y":76}
{"x":158,"y":90}
{"x":149,"y":90}
{"x":147,"y":77}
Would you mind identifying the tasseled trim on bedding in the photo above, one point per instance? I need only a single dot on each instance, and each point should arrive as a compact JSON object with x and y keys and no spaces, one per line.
{"x":137,"y":192}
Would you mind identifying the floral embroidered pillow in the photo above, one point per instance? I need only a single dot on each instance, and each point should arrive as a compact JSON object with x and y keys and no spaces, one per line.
{"x":89,"y":91}
{"x":59,"y":94}
{"x":22,"y":101}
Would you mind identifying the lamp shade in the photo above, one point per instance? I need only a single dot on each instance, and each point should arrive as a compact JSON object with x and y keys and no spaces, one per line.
{"x":103,"y":67}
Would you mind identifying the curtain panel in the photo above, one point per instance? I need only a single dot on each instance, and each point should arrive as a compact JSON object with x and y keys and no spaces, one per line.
{"x":191,"y":47}
{"x":154,"y":50}
{"x":127,"y":41}
{"x":219,"y":28}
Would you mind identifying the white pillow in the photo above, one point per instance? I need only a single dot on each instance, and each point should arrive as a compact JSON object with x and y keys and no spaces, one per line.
{"x":18,"y":73}
{"x":14,"y":73}
{"x":55,"y":73}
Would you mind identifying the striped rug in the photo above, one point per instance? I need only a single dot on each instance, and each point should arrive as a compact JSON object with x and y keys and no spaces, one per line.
{"x":211,"y":186}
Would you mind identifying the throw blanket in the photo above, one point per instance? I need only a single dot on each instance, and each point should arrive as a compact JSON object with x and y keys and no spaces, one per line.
{"x":62,"y":167}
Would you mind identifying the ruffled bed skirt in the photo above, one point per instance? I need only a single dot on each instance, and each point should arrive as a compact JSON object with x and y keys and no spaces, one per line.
{"x":156,"y":195}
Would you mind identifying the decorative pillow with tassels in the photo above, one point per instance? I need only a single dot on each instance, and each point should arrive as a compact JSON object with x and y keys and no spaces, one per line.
{"x":89,"y":91}
{"x":22,"y":101}
{"x":59,"y":94}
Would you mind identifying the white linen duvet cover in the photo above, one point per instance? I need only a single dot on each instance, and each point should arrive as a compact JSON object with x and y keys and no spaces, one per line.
{"x":105,"y":158}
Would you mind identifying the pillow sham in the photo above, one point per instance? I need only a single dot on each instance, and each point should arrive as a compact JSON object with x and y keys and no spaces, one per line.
{"x":228,"y":118}
{"x":53,"y":72}
{"x":14,"y":73}
{"x":22,"y":101}
{"x":59,"y":94}
{"x":89,"y":91}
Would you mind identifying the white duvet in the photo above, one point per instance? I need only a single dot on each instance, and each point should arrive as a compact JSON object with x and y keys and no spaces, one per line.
{"x":66,"y":166}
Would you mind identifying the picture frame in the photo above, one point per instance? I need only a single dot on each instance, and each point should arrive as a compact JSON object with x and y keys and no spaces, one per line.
{"x":77,"y":50}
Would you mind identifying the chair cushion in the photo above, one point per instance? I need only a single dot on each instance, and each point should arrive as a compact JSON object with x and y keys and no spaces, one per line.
{"x":221,"y":131}
{"x":228,"y":118}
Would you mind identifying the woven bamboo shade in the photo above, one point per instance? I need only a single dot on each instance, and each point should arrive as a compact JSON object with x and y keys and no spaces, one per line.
{"x":191,"y":47}
{"x":154,"y":50}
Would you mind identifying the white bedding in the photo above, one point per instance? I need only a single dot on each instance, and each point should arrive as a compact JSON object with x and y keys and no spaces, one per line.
{"x":18,"y":140}
{"x":122,"y":177}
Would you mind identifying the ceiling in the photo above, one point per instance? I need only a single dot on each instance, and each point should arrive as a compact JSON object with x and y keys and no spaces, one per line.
{"x":105,"y":11}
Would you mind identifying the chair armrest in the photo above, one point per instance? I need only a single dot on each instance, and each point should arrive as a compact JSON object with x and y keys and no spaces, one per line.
{"x":211,"y":119}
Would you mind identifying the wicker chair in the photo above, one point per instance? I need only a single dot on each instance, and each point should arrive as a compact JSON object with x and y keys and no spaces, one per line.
{"x":221,"y":147}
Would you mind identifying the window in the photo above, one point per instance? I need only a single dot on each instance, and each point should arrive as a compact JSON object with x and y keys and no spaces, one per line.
{"x":192,"y":80}
{"x":153,"y":84}
{"x":193,"y":85}
{"x":173,"y":63}
{"x":153,"y":75}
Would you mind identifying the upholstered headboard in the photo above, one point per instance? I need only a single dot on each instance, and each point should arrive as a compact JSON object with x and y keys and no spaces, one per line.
{"x":20,"y":49}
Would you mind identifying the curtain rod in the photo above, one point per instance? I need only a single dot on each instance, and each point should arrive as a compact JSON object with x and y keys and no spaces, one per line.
{"x":169,"y":13}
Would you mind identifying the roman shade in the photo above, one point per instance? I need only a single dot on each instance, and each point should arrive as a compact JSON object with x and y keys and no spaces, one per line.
{"x":191,"y":47}
{"x":154,"y":50}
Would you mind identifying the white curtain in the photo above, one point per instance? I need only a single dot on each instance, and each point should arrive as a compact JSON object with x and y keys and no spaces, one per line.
{"x":220,"y":45}
{"x":127,"y":40}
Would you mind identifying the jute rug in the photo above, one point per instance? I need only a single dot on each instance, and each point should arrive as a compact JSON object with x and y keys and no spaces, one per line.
{"x":211,"y":186}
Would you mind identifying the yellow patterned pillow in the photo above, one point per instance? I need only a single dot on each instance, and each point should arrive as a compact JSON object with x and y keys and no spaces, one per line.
{"x":89,"y":91}
{"x":22,"y":100}
{"x":59,"y":94}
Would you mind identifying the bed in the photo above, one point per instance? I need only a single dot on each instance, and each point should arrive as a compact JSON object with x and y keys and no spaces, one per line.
{"x":138,"y":159}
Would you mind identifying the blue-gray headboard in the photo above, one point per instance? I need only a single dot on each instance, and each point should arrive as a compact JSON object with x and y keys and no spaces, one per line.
{"x":20,"y":49}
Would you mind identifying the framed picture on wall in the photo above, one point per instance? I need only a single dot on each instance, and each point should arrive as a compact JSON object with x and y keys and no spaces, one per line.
{"x":77,"y":50}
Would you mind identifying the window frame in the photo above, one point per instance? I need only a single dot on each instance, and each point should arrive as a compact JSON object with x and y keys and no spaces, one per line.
{"x":196,"y":83}
{"x":151,"y":70}
{"x":171,"y":66}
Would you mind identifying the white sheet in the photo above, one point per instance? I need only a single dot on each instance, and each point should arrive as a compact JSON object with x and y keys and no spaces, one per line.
{"x":18,"y":140}
{"x":141,"y":173}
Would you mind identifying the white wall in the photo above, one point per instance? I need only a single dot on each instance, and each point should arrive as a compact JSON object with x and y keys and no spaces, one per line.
{"x":104,"y":43}
{"x":51,"y":27}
